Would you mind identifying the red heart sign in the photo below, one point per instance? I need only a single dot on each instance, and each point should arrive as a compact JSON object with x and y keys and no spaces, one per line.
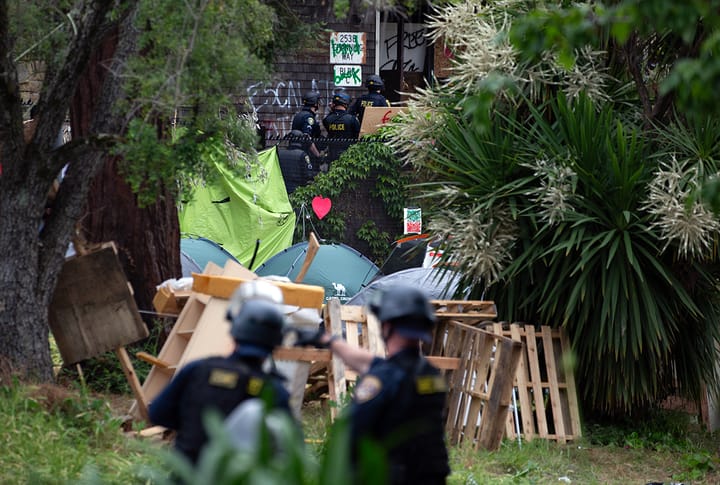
{"x":321,"y":206}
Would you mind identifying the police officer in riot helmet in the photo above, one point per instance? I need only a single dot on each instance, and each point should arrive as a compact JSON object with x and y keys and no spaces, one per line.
{"x":342,"y":127}
{"x":221,"y":383}
{"x":295,"y":164}
{"x":373,"y":97}
{"x":398,"y":401}
{"x":305,"y":120}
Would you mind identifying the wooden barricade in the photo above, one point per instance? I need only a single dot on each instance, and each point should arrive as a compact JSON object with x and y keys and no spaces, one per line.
{"x":360,"y":329}
{"x":480,"y":390}
{"x":546,"y":395}
{"x":202,"y":329}
{"x":469,"y":312}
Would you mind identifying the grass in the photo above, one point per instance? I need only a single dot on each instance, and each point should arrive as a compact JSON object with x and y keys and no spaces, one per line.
{"x":64,"y":435}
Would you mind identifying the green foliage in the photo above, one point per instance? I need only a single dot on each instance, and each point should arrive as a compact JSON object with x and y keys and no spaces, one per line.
{"x":377,"y":240}
{"x":680,"y":40}
{"x":574,"y":197}
{"x":44,"y":445}
{"x":104,"y":372}
{"x":370,"y":161}
{"x":180,"y":92}
{"x":53,"y":436}
{"x":658,"y":430}
{"x":564,"y":191}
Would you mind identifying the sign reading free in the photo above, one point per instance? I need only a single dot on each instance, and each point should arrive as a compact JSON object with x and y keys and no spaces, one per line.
{"x":347,"y":48}
{"x":347,"y":75}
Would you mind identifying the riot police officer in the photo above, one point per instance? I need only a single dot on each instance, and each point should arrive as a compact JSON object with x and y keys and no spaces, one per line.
{"x":342,"y":127}
{"x":373,"y":97}
{"x":295,"y":162}
{"x":399,"y":401}
{"x":221,"y":383}
{"x":305,"y":121}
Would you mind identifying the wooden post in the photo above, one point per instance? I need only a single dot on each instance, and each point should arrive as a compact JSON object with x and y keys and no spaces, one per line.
{"x":132,"y":378}
{"x":337,"y":385}
{"x":312,"y":249}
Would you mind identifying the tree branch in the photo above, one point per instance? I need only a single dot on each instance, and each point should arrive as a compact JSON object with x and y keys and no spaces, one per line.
{"x":633,"y":64}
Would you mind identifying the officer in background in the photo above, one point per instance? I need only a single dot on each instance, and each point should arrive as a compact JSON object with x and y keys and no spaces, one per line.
{"x":305,"y":121}
{"x":373,"y":97}
{"x":342,"y":127}
{"x":399,"y":401}
{"x":295,"y":162}
{"x":221,"y":383}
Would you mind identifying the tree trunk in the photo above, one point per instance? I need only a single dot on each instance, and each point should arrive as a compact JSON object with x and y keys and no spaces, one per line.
{"x":23,"y":317}
{"x":148,"y":239}
{"x":33,"y":241}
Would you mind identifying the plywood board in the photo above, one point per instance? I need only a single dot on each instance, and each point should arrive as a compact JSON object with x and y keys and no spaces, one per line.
{"x":93,"y":310}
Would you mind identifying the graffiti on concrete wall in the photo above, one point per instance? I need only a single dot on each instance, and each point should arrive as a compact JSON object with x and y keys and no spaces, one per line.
{"x":414,"y":43}
{"x":276,"y":104}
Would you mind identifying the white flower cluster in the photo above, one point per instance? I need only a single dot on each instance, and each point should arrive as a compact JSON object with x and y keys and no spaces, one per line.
{"x":588,"y":75}
{"x":481,"y":242}
{"x":678,"y":215}
{"x":556,"y":190}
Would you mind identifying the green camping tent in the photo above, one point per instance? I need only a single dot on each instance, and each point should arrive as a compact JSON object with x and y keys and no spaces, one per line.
{"x":235,"y":211}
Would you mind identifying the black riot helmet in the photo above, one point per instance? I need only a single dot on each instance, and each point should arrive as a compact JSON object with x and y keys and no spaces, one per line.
{"x":406,"y":308}
{"x":341,"y":98}
{"x":258,"y":322}
{"x":311,"y":98}
{"x":374,"y":83}
{"x":298,"y":139}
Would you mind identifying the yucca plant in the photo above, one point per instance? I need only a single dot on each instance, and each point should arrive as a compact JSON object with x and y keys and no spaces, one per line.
{"x":568,"y":240}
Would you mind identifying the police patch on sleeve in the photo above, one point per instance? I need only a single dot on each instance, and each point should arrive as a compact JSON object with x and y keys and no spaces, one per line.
{"x":367,"y":389}
{"x":311,"y":121}
{"x":223,"y":378}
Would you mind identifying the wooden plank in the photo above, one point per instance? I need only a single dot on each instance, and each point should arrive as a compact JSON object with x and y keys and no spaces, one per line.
{"x":144,"y":356}
{"x":305,"y":296}
{"x":521,"y":380}
{"x":352,"y":337}
{"x":465,"y":316}
{"x":538,"y":397}
{"x":337,"y":365}
{"x":444,"y":363}
{"x":571,"y":390}
{"x":302,"y":354}
{"x":551,"y":365}
{"x":132,"y":379}
{"x":492,"y":426}
{"x":212,"y":334}
{"x":376,"y":345}
{"x":456,"y":398}
{"x":355,"y":313}
{"x":312,"y":249}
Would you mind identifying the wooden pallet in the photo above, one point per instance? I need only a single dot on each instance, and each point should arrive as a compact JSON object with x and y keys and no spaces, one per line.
{"x":546,"y":395}
{"x":480,"y":390}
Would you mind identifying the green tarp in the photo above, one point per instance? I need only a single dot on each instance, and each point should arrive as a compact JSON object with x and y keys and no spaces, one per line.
{"x":236,"y":211}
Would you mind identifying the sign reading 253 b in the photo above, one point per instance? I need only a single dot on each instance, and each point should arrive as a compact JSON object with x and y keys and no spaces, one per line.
{"x":347,"y":48}
{"x":350,"y":76}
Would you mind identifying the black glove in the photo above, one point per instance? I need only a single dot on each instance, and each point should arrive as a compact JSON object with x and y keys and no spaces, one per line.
{"x":310,"y":338}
